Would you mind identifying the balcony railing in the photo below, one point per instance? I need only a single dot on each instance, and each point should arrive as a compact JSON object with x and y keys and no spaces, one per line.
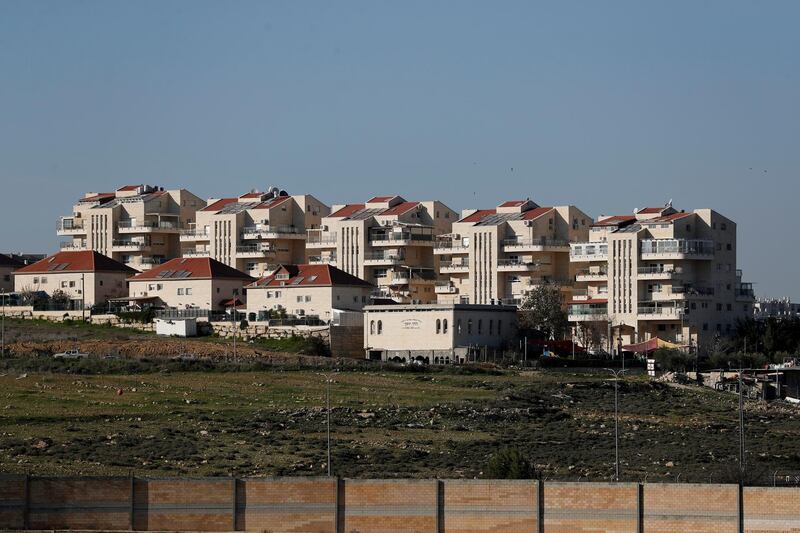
{"x":453,"y":264}
{"x":72,"y":246}
{"x":277,"y":229}
{"x":196,"y":252}
{"x":678,"y":246}
{"x":588,"y":309}
{"x":254,"y":249}
{"x":591,"y":251}
{"x":315,"y":237}
{"x":321,"y":259}
{"x":123,"y":243}
{"x":70,"y":225}
{"x":542,"y":241}
{"x":661,"y":311}
{"x":527,"y":263}
{"x":382,"y":256}
{"x":396,"y":236}
{"x":659,"y":269}
{"x":146,"y":226}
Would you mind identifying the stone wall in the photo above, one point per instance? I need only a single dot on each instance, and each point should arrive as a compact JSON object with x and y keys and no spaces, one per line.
{"x":381,"y":506}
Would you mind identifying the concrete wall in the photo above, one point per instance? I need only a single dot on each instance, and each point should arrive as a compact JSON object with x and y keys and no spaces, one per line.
{"x":366,"y":506}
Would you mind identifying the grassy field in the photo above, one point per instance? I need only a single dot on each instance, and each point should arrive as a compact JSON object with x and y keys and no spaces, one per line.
{"x":385,"y":424}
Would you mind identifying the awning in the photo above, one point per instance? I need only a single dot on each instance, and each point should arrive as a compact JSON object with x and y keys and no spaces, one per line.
{"x":232,"y":302}
{"x":134,"y":299}
{"x":651,"y":345}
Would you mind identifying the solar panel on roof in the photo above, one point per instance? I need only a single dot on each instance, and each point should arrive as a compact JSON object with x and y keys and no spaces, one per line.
{"x":297,"y":280}
{"x":164,"y":273}
{"x":62,"y":266}
{"x":184,"y":274}
{"x":52,"y":267}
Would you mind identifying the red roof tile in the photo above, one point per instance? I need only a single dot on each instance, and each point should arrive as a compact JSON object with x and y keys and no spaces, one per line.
{"x":252,"y":195}
{"x":513,"y":203}
{"x":197,"y":267}
{"x":478,"y":215}
{"x":400,"y":208}
{"x":219,"y":204}
{"x":347,"y":210}
{"x":82,"y":261}
{"x":650,"y":210}
{"x":310,"y":275}
{"x":535,"y":213}
{"x":127,"y":188}
{"x":380,"y":199}
{"x":615,"y":220}
{"x":99,"y":197}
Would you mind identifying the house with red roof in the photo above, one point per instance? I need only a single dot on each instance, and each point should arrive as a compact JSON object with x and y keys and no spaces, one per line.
{"x":387,"y":241}
{"x":500,"y":255}
{"x":307,"y":290}
{"x":189,"y":283}
{"x":87,"y":277}
{"x":256,"y":231}
{"x":8,"y":265}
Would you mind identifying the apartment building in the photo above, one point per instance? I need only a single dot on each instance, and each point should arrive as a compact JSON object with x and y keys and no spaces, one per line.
{"x":7,"y":267}
{"x":86,"y":277}
{"x":306,"y":291}
{"x":499,"y":255}
{"x":658,"y":273}
{"x":387,"y":241}
{"x":137,"y":225}
{"x":255,"y":232}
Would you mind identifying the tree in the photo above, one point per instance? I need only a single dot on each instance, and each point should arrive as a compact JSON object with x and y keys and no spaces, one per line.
{"x":509,"y":463}
{"x":59,"y":299}
{"x":541,"y":310}
{"x":590,"y":335}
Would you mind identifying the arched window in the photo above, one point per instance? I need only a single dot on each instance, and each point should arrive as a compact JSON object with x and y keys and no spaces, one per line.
{"x":480,"y":326}
{"x":458,"y":326}
{"x":469,"y":326}
{"x":380,"y":327}
{"x":438,"y":326}
{"x":372,"y":327}
{"x":444,"y":326}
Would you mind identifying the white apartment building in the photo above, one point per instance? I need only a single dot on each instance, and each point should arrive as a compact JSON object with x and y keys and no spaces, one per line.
{"x":307,"y":291}
{"x":501,"y":254}
{"x":657,"y":273}
{"x":137,"y":225}
{"x":255,"y":232}
{"x":775,"y":308}
{"x":387,"y":241}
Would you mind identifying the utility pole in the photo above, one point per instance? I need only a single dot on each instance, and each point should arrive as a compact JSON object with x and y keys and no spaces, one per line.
{"x":233,"y":323}
{"x":741,"y":424}
{"x":328,"y":408}
{"x":3,"y":326}
{"x":616,"y":374}
{"x":83,"y":297}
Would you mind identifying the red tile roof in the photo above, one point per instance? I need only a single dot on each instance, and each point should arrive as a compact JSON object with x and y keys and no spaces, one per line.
{"x":478,"y":215}
{"x":513,"y":203}
{"x":219,"y":204}
{"x":82,"y":261}
{"x":197,"y":267}
{"x":666,"y":218}
{"x":252,"y":195}
{"x":347,"y":210}
{"x":127,"y":188}
{"x":380,"y":199}
{"x":650,"y":210}
{"x":310,"y":276}
{"x":400,"y":208}
{"x":6,"y":261}
{"x":535,"y":213}
{"x":615,"y":220}
{"x":269,"y":204}
{"x":99,"y":197}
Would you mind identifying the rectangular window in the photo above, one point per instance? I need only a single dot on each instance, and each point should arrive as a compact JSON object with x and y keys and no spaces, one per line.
{"x":299,"y":299}
{"x":180,"y":291}
{"x":188,"y":291}
{"x":308,"y":298}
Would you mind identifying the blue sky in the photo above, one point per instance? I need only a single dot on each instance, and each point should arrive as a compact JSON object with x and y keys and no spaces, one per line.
{"x":606,"y":105}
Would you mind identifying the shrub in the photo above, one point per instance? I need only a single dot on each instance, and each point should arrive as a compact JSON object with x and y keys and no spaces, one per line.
{"x":510,"y":463}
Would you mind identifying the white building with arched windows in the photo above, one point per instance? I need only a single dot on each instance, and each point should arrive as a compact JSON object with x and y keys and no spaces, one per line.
{"x":438,"y":333}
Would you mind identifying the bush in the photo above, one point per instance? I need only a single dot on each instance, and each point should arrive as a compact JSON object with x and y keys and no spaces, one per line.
{"x":673,"y":360}
{"x":510,"y":463}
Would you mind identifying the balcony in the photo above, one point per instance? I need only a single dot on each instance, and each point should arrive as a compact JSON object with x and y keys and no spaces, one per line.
{"x":318,"y":239}
{"x":400,"y":238}
{"x":253,"y":251}
{"x":588,"y":274}
{"x":445,"y":287}
{"x":449,"y":246}
{"x":454,"y":266}
{"x":595,"y":312}
{"x":125,"y":245}
{"x":73,"y":246}
{"x":677,"y":249}
{"x":744,"y":292}
{"x":190,"y":235}
{"x":655,"y":312}
{"x":127,"y":227}
{"x":588,"y":251}
{"x":70,"y":226}
{"x":322,"y":259}
{"x":195,"y":252}
{"x":542,"y":244}
{"x":656,"y":272}
{"x":383,"y":259}
{"x":679,"y":292}
{"x":517,"y":265}
{"x":272,"y":232}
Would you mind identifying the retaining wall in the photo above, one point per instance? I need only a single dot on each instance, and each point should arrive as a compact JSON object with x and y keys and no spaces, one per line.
{"x":330,"y":505}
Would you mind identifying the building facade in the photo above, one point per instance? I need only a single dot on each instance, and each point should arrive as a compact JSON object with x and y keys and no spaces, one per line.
{"x":7,"y":267}
{"x":189,"y":283}
{"x":307,"y":291}
{"x":501,"y":254}
{"x":775,"y":308}
{"x":137,"y":225}
{"x":437,"y":333}
{"x":87,"y":278}
{"x":255,"y":232}
{"x":657,"y":273}
{"x":387,"y":241}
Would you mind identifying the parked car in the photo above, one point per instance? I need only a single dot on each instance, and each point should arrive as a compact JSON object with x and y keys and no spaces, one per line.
{"x":71,"y":354}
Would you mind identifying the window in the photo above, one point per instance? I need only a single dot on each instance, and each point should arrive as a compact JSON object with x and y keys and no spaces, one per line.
{"x":277,"y":294}
{"x":380,"y":327}
{"x":100,"y":282}
{"x":719,"y":307}
{"x":438,"y":326}
{"x":729,"y":307}
{"x":705,"y":326}
{"x":188,"y":291}
{"x":308,"y":298}
{"x":180,"y":291}
{"x":469,"y":326}
{"x":44,"y":279}
{"x":63,"y":284}
{"x":36,"y":280}
{"x":723,"y":226}
{"x":372,"y":327}
{"x":299,"y":299}
{"x":728,"y":247}
{"x":444,"y":326}
{"x":458,"y":326}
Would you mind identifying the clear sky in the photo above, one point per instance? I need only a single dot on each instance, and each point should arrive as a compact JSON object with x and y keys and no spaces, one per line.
{"x":606,"y":105}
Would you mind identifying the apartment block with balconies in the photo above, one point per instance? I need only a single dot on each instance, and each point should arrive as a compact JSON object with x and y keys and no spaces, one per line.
{"x":499,"y":255}
{"x":255,"y":232}
{"x":137,"y":225}
{"x":657,"y":273}
{"x":387,"y":241}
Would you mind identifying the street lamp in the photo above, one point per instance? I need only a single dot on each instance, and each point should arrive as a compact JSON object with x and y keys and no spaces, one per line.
{"x":616,"y":374}
{"x":328,"y":380}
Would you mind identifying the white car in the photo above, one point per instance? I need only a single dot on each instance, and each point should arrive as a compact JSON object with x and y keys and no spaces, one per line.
{"x":71,"y":354}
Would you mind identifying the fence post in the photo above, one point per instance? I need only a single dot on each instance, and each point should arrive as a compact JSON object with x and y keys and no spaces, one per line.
{"x":740,"y":507}
{"x":640,"y":509}
{"x":27,"y":509}
{"x":339,"y":513}
{"x":439,"y":506}
{"x":234,"y":501}
{"x":540,"y":506}
{"x":132,"y":502}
